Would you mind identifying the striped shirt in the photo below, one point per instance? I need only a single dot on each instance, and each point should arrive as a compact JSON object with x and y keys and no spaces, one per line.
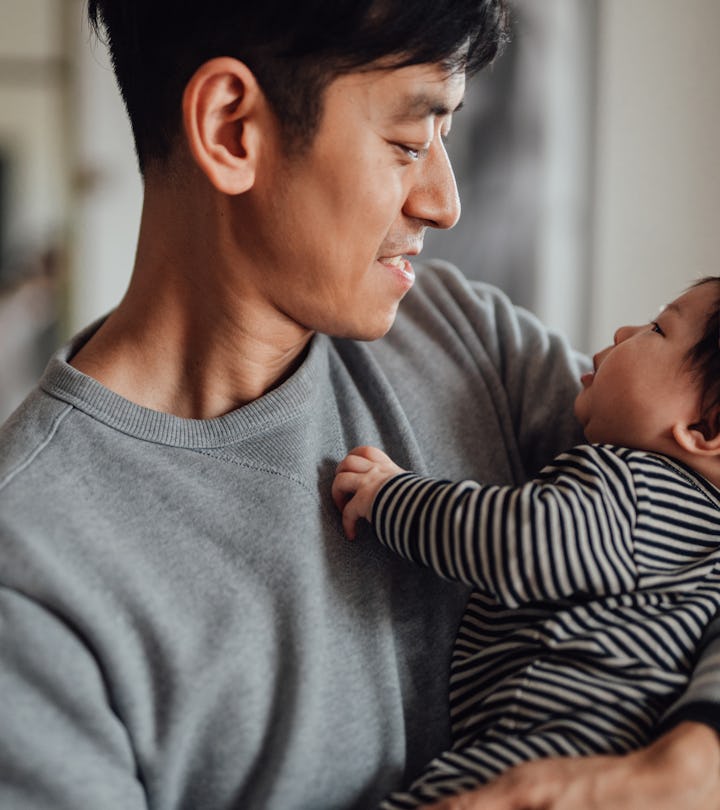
{"x":593,"y":585}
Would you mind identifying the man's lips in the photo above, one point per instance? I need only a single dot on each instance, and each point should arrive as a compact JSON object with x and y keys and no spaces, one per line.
{"x":394,"y":261}
{"x":399,"y":253}
{"x":401,"y":268}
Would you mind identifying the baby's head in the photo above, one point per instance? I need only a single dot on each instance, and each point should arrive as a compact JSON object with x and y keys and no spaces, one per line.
{"x":704,"y":362}
{"x":658,"y":386}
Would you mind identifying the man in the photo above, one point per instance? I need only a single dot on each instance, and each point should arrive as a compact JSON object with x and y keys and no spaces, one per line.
{"x":182,"y":624}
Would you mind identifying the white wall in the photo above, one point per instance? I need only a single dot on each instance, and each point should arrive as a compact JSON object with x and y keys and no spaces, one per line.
{"x":565,"y":223}
{"x":108,"y":186}
{"x":658,"y":161}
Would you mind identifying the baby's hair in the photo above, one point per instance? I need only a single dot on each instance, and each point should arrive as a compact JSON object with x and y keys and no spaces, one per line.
{"x":704,"y":358}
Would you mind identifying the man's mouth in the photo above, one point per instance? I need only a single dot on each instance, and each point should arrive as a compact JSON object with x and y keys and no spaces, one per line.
{"x":396,"y":261}
{"x":402,"y":268}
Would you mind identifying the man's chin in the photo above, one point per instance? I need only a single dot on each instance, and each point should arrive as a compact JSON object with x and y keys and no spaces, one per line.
{"x":365,"y":331}
{"x":376,"y":331}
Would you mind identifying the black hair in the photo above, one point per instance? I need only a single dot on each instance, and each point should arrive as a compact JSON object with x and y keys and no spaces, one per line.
{"x":704,"y":360}
{"x":295,"y":49}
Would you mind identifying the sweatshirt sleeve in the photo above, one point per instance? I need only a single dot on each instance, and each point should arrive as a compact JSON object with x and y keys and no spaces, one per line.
{"x":566,"y":535}
{"x":530,"y":374}
{"x":700,"y":703}
{"x":540,"y":375}
{"x":61,"y":745}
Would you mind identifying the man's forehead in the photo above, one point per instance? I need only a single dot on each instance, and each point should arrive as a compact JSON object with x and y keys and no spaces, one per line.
{"x":422,"y":93}
{"x":402,"y":94}
{"x":419,"y":105}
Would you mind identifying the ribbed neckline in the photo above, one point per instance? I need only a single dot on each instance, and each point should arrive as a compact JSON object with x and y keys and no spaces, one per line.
{"x":694,"y":478}
{"x":285,"y":402}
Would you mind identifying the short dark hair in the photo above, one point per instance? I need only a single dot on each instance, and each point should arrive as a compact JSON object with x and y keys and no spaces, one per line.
{"x":704,"y":359}
{"x":294,"y":49}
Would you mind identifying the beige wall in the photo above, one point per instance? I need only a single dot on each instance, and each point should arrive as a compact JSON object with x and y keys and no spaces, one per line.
{"x":32,"y":128}
{"x":30,"y":28}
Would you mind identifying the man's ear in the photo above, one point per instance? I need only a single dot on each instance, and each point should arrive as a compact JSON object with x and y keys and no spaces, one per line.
{"x":221,"y":115}
{"x":697,"y":438}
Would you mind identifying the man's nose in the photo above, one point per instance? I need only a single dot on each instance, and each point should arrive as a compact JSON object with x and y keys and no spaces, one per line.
{"x":433,"y":197}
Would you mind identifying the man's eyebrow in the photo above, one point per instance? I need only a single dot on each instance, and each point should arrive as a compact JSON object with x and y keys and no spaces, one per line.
{"x":418,"y":107}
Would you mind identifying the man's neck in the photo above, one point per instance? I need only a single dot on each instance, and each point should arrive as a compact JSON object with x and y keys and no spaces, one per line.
{"x":170,"y":367}
{"x":190,"y":337}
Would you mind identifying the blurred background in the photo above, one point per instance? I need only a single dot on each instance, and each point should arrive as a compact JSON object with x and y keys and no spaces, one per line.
{"x":586,"y":161}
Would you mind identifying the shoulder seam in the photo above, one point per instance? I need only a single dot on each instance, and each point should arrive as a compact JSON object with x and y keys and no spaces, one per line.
{"x":26,"y":462}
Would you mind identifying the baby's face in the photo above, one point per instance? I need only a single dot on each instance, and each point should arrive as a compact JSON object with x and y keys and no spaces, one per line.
{"x":642,"y":385}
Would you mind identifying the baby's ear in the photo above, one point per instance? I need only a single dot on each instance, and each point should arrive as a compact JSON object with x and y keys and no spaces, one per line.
{"x":700,"y":438}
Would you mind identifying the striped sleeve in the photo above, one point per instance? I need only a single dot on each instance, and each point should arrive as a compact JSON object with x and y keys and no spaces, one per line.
{"x":567,"y":533}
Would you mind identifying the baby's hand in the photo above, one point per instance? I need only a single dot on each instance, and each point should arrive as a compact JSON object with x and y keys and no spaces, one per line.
{"x":358,"y":478}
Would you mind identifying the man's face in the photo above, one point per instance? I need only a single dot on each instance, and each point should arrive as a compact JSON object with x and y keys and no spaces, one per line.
{"x":329,"y":229}
{"x":642,"y":384}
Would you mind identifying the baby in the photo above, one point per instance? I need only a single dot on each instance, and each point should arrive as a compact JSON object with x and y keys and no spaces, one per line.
{"x":593,"y":583}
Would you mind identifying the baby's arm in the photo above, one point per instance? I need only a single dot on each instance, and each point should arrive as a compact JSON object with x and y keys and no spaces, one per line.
{"x":545,"y":540}
{"x":358,"y":479}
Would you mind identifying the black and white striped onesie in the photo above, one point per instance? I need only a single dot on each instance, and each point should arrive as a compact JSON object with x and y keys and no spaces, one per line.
{"x":593,"y":586}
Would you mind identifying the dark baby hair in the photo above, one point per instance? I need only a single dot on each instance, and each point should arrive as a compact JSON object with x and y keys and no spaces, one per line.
{"x":704,"y":359}
{"x":295,"y":49}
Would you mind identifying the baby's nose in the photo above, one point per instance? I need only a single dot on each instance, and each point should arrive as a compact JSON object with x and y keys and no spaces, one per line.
{"x":623,"y":333}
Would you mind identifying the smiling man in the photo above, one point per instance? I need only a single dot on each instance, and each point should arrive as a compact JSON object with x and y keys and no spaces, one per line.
{"x":182,"y":626}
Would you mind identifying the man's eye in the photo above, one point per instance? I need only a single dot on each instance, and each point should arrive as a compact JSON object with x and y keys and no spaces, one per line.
{"x":655,"y":327}
{"x":413,"y":152}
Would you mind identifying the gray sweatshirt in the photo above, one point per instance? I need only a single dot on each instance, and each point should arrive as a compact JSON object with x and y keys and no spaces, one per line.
{"x":182,"y":623}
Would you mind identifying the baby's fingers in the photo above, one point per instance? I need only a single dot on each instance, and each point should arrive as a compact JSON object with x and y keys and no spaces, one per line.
{"x":350,"y":516}
{"x":354,"y":463}
{"x":344,"y":494}
{"x":344,"y":487}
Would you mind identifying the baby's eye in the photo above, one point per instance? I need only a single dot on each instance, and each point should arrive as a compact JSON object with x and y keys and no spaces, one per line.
{"x":655,"y":327}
